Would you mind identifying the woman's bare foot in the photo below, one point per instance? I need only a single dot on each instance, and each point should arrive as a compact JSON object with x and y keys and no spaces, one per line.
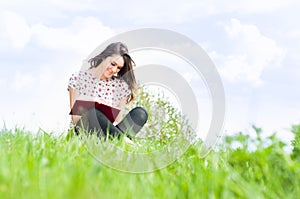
{"x":128,"y":141}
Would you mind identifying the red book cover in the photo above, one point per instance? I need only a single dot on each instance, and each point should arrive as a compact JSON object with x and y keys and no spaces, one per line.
{"x":81,"y":106}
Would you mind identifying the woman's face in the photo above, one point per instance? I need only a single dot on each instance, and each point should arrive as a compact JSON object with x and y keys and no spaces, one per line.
{"x":113,"y":65}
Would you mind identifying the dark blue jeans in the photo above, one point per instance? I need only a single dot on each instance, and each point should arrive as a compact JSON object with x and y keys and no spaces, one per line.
{"x":94,"y":121}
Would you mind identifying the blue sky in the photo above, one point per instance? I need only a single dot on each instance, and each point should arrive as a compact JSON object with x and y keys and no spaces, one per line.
{"x":255,"y":46}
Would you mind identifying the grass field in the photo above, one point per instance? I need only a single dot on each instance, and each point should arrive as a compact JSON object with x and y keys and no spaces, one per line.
{"x":45,"y":166}
{"x":41,"y":165}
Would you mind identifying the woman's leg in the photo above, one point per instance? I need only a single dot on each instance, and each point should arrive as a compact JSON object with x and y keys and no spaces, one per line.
{"x":133,"y":121}
{"x":95,"y":121}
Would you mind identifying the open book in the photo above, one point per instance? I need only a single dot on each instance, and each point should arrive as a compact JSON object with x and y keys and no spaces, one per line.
{"x":81,"y":106}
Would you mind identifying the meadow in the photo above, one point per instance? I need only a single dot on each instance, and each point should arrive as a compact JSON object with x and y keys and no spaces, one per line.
{"x":46,"y":166}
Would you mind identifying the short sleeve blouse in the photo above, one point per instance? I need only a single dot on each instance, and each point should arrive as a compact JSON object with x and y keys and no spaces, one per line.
{"x":111,"y":91}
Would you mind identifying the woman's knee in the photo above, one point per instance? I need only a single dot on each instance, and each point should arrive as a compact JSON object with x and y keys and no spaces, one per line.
{"x":139,"y":115}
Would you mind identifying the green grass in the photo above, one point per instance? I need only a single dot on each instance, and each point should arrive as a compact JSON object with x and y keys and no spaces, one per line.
{"x":45,"y":166}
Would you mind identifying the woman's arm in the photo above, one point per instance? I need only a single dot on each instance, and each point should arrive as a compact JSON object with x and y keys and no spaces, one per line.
{"x":73,"y":94}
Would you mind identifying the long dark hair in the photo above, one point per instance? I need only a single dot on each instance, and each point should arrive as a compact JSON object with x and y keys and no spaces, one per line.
{"x":118,"y":48}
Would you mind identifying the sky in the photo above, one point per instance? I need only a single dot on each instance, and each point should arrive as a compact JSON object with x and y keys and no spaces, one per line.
{"x":254,"y":45}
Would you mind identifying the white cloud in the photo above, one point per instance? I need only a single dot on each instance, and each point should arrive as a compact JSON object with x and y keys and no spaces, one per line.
{"x":183,"y":11}
{"x":2,"y":82}
{"x":248,"y":7}
{"x":36,"y":9}
{"x":292,"y":41}
{"x":22,"y":80}
{"x":143,"y":12}
{"x":82,"y":36}
{"x":45,"y":104}
{"x":294,"y":34}
{"x":15,"y":32}
{"x":250,"y":53}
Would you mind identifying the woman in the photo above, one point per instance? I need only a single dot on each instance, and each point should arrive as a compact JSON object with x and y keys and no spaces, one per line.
{"x":109,"y":80}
